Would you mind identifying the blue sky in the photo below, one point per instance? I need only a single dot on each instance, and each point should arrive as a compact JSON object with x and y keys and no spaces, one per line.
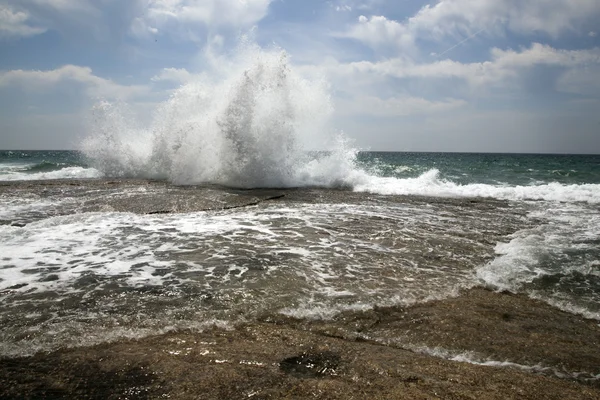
{"x":451,"y":75}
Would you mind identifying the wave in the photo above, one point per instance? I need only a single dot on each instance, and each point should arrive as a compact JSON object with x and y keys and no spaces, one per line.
{"x":63,"y":173}
{"x":47,"y":166}
{"x":555,"y":261}
{"x":250,"y":126}
{"x":430,"y":184}
{"x":250,"y":123}
{"x":479,"y":359}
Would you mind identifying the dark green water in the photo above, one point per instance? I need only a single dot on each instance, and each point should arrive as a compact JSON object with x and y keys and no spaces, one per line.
{"x":460,"y":168}
{"x":492,"y":169}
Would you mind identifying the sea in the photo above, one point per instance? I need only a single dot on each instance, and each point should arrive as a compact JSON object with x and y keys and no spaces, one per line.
{"x":220,"y":212}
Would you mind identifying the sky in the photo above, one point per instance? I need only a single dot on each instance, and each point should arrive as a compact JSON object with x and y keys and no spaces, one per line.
{"x":448,"y":75}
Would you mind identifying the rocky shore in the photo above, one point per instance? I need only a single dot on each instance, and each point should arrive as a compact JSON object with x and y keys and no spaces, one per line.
{"x":517,"y":348}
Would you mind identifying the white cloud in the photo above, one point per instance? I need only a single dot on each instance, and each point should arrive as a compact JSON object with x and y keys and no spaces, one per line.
{"x":504,"y":64}
{"x":552,"y":17}
{"x":211,"y":14}
{"x":379,"y":31}
{"x":343,"y":8}
{"x":460,"y":18}
{"x":98,"y":20}
{"x":65,"y":5}
{"x":33,"y":80}
{"x":140,"y":28}
{"x":400,"y":86}
{"x":15,"y":23}
{"x":178,"y":75}
{"x":358,"y":4}
{"x":545,"y":54}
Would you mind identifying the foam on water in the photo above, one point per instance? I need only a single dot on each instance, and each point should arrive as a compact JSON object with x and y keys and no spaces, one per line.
{"x":53,"y":253}
{"x":314,"y":310}
{"x":474,"y":358}
{"x":65,"y":173}
{"x":430,"y":184}
{"x":42,"y":165}
{"x":106,"y":244}
{"x":84,"y":269}
{"x":556,"y":261}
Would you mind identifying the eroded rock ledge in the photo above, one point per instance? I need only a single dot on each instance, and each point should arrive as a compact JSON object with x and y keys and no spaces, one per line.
{"x":360,"y":355}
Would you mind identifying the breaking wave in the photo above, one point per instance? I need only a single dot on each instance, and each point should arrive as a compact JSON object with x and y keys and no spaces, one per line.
{"x":431,"y":184}
{"x":255,"y":122}
{"x":252,"y":128}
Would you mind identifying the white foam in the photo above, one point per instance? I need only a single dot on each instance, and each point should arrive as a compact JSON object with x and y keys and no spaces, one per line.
{"x":94,"y":242}
{"x":477,"y":359}
{"x":11,"y":167}
{"x":563,"y":243}
{"x":430,"y":184}
{"x":64,"y":173}
{"x":13,"y":207}
{"x":61,"y":334}
{"x":316,"y":311}
{"x":567,"y":305}
{"x":119,"y":244}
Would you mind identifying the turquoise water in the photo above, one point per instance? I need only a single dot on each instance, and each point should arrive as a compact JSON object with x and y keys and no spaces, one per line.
{"x":42,"y":164}
{"x":58,"y":158}
{"x":460,"y":168}
{"x":488,"y":168}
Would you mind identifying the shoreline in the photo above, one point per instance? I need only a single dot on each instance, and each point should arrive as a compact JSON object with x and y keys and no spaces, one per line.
{"x":346,"y":357}
{"x":478,"y":344}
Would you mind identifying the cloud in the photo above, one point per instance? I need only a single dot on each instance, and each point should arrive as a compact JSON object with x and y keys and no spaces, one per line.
{"x":551,"y":17}
{"x":504,"y":64}
{"x":545,"y":54}
{"x":399,"y":87}
{"x":178,"y":75}
{"x":378,"y":31}
{"x":191,"y":15}
{"x":456,"y":19}
{"x":34,"y":80}
{"x":65,"y":6}
{"x":103,"y":20}
{"x":77,"y":20}
{"x":14,"y":23}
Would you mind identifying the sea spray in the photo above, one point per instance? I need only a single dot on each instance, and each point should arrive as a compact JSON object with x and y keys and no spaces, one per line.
{"x":252,"y":128}
{"x":251,"y":120}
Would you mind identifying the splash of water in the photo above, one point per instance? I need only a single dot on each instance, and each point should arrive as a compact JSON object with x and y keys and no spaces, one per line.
{"x":251,"y":129}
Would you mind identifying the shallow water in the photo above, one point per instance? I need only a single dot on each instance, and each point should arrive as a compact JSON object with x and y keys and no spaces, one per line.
{"x":91,"y":261}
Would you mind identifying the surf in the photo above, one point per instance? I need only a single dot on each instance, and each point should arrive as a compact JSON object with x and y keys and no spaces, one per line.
{"x":249,"y":123}
{"x":430,"y":183}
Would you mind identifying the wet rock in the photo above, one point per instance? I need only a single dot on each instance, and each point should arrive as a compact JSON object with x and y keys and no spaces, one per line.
{"x":17,"y":286}
{"x":50,"y":278}
{"x":50,"y":378}
{"x":311,"y":365}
